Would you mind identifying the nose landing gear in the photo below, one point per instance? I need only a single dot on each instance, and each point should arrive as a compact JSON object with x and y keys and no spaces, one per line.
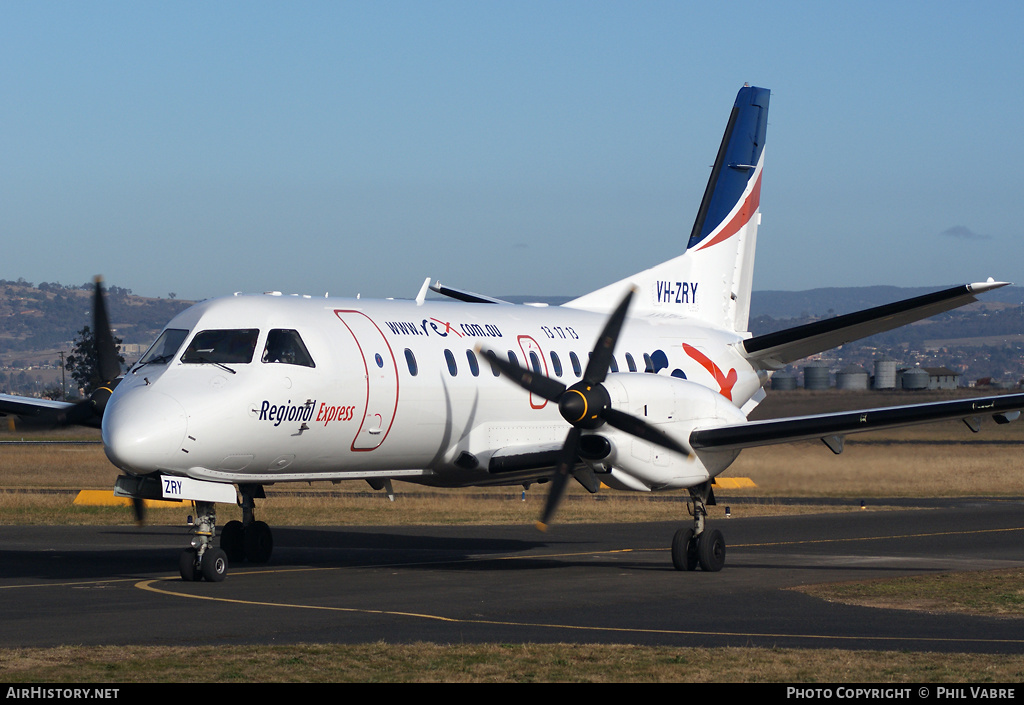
{"x":202,"y":559}
{"x":248,"y":540}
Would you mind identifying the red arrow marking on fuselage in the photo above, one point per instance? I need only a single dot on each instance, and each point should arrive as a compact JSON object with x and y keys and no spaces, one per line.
{"x":725,"y":382}
{"x":448,"y":328}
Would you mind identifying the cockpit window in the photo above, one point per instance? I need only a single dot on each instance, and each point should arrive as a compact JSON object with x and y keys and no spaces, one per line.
{"x":161,"y":352}
{"x":286,"y":346}
{"x":222,"y":346}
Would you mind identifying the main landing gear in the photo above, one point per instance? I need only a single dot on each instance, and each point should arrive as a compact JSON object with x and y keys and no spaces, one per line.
{"x":239,"y":540}
{"x":699,"y":546}
{"x":248,"y":539}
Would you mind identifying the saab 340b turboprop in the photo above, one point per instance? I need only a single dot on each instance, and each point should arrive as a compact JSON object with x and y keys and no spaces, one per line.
{"x":644,"y":385}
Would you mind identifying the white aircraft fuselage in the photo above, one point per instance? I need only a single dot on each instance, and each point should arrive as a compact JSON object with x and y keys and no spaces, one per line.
{"x":400,"y":389}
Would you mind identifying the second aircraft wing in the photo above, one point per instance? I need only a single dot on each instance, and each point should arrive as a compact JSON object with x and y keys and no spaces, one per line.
{"x":831,"y":427}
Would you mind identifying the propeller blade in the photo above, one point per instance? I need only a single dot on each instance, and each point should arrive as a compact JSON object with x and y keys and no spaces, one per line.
{"x":89,"y":412}
{"x":108,"y":366}
{"x":642,"y":430}
{"x":139,"y":507}
{"x":536,"y":384}
{"x":601,"y":357}
{"x":566,"y":463}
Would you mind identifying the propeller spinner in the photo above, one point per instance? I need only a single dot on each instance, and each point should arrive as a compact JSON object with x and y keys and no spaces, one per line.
{"x":586,"y":405}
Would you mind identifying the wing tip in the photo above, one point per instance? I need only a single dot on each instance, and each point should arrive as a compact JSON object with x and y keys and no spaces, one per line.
{"x":988,"y":285}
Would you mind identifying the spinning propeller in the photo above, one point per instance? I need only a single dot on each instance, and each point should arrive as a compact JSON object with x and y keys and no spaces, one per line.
{"x":108,"y":366}
{"x":586,"y":405}
{"x":89,"y":411}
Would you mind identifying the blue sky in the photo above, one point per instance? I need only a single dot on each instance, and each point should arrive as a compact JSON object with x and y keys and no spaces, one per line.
{"x":518,"y":147}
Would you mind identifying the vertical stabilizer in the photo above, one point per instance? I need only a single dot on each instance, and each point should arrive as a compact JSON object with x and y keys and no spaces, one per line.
{"x":712,"y":279}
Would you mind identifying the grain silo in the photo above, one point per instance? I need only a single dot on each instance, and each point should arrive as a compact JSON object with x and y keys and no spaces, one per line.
{"x":885,"y":373}
{"x":914,"y":378}
{"x":816,"y":375}
{"x":852,"y":377}
{"x":784,"y":380}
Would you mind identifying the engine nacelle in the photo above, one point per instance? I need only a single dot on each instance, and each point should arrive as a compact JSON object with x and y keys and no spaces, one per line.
{"x":675,"y":406}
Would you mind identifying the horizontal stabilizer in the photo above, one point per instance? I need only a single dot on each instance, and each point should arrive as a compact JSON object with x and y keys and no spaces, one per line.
{"x":826,"y":426}
{"x":774,"y":351}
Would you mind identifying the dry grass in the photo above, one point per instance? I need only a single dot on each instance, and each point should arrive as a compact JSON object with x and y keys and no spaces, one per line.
{"x":993,"y":593}
{"x":496,"y":663}
{"x":884,"y":468}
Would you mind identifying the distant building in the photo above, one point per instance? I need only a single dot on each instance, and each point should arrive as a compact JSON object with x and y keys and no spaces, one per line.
{"x":942,"y":378}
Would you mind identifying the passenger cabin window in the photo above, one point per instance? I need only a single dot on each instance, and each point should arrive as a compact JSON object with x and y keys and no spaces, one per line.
{"x":161,"y":352}
{"x":222,"y":346}
{"x":556,"y":363}
{"x":286,"y":346}
{"x":474,"y":366}
{"x":614,"y":365}
{"x":450,"y":359}
{"x":512,"y":358}
{"x":575,"y":364}
{"x":410,"y":360}
{"x":535,"y":362}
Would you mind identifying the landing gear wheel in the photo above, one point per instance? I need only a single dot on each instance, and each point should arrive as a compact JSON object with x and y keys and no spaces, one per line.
{"x":232,"y":540}
{"x":259,"y":542}
{"x":711,"y":550}
{"x":684,"y":550}
{"x":187,"y":566}
{"x":214,"y":565}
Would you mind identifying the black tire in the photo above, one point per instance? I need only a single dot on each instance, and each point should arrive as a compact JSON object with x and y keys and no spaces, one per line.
{"x":214,"y":565}
{"x":232,"y":540}
{"x":259,"y":542}
{"x":187,"y":566}
{"x":684,"y":550}
{"x":711,"y":550}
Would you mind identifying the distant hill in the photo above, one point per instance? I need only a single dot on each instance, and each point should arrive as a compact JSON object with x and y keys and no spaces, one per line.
{"x":49,"y":315}
{"x":840,"y":300}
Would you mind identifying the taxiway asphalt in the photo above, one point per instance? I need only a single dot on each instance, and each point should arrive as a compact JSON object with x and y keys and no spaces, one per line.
{"x":587,"y":583}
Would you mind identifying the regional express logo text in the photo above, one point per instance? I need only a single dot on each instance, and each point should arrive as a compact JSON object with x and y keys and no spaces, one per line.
{"x":325,"y":413}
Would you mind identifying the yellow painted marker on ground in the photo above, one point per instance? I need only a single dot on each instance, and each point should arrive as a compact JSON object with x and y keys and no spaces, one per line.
{"x":106,"y":498}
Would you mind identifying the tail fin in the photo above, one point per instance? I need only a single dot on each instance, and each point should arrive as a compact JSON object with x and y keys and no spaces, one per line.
{"x":712,"y":280}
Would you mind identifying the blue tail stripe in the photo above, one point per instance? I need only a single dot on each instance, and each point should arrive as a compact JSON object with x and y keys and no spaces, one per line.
{"x":738,"y":155}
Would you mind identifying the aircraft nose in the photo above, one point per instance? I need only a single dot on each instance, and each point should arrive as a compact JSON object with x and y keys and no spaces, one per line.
{"x":143,"y":430}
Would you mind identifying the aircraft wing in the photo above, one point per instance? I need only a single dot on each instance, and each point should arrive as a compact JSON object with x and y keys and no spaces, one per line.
{"x":46,"y":412}
{"x":774,"y":351}
{"x":831,"y":428}
{"x":29,"y":406}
